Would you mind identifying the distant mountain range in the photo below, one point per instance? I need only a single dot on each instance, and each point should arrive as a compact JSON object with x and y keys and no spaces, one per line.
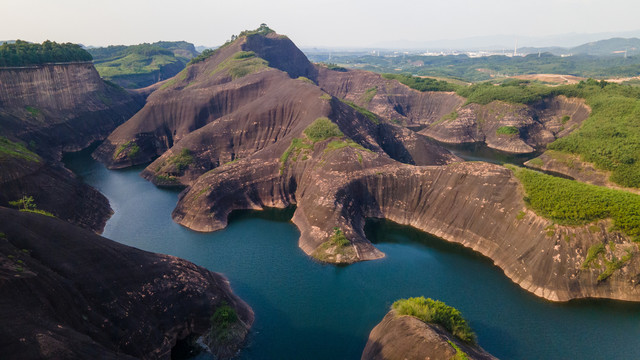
{"x":614,"y":46}
{"x":507,"y":42}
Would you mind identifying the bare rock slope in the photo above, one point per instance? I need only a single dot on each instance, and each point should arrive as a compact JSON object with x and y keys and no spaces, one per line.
{"x":49,"y":109}
{"x":68,"y":293}
{"x":251,"y":141}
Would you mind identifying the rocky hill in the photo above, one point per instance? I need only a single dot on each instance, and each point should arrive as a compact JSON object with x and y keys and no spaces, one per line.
{"x":46,"y":110}
{"x":68,"y":293}
{"x":255,"y":125}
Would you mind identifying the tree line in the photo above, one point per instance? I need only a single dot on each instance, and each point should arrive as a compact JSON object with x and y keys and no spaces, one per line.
{"x":22,"y":53}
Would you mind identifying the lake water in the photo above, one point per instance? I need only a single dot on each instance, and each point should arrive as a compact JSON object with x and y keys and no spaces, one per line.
{"x":308,"y":310}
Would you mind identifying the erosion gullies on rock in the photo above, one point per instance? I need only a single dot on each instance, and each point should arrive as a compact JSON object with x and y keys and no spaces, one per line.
{"x":407,"y":338}
{"x":49,"y":109}
{"x":244,"y":143}
{"x":513,"y":128}
{"x":202,"y":93}
{"x":62,"y":107}
{"x":69,"y":293}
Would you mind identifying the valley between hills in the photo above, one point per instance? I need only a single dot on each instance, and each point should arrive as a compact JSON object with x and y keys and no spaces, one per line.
{"x":255,"y":125}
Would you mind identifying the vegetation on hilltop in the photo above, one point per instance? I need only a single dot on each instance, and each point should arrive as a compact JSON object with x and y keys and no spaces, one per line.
{"x":610,"y":137}
{"x":436,"y":312}
{"x":119,"y":62}
{"x":263,"y":30}
{"x":241,"y":64}
{"x":571,"y":202}
{"x":422,"y":84}
{"x":22,"y":53}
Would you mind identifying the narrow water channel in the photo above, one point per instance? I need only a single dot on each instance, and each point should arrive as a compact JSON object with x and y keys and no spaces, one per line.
{"x":307,"y":310}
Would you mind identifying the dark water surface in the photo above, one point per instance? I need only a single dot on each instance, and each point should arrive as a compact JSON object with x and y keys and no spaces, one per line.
{"x":306,"y":310}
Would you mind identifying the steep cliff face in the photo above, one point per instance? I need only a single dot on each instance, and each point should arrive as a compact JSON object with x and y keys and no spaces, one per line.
{"x":51,"y":109}
{"x":203,"y":92}
{"x":54,"y":189}
{"x":63,"y":107}
{"x":478,"y":205}
{"x":407,"y":338}
{"x":69,"y":293}
{"x":233,"y":131}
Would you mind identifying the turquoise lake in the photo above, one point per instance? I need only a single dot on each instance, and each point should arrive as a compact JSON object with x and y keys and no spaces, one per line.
{"x":308,"y":310}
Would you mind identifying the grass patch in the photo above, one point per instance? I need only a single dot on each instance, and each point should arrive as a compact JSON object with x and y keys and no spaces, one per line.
{"x":339,"y":144}
{"x":33,"y":111}
{"x":520,"y":215}
{"x":241,"y":64}
{"x":565,"y":119}
{"x":182,"y":160}
{"x":436,"y":312}
{"x":306,"y":79}
{"x":337,"y":246}
{"x":592,"y":254}
{"x":371,"y":116}
{"x":507,"y":130}
{"x":536,"y":162}
{"x":460,"y":355}
{"x":614,"y":265}
{"x":297,"y":146}
{"x":166,"y":179}
{"x":325,"y":96}
{"x":10,"y":149}
{"x":573,"y":203}
{"x":132,"y":150}
{"x":422,"y":84}
{"x":369,"y":94}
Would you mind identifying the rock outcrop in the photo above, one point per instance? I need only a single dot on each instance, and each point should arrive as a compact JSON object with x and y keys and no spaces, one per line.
{"x":51,"y":109}
{"x":68,"y":293}
{"x":535,"y":125}
{"x":407,"y":338}
{"x":237,"y":140}
{"x":61,"y":107}
{"x":445,"y":117}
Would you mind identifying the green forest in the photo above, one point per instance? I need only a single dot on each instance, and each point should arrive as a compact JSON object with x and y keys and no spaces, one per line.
{"x":22,"y":53}
{"x":473,"y":69}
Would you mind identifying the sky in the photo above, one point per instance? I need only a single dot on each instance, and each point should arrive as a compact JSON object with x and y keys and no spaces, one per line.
{"x":330,"y":23}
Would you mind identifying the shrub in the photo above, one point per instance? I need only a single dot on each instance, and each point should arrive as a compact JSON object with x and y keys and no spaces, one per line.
{"x":182,"y":160}
{"x":222,"y":320}
{"x":436,"y":312}
{"x":322,"y":128}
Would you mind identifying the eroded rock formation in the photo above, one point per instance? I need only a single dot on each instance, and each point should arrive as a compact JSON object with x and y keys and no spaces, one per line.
{"x":240,"y":143}
{"x":51,"y":109}
{"x":68,"y":293}
{"x":407,"y":338}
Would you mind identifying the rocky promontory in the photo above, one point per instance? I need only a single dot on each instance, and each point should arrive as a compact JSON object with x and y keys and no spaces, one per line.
{"x":69,"y":293}
{"x":403,"y":337}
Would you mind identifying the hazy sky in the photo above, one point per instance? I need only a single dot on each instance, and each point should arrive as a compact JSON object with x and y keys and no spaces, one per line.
{"x":308,"y":23}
